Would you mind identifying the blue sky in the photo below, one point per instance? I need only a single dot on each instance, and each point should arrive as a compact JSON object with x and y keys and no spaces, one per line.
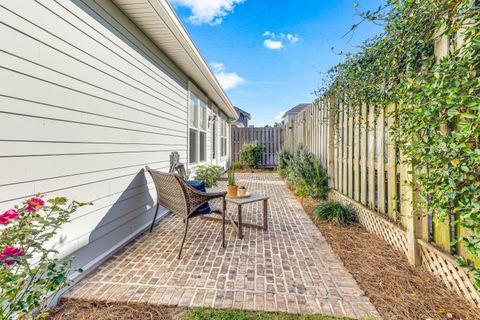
{"x":268,"y":55}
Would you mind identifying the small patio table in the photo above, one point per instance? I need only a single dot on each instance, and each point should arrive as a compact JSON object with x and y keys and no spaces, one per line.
{"x":240,"y":202}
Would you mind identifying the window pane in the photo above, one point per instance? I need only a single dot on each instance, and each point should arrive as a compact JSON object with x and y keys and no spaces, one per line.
{"x":224,"y":147}
{"x":203,"y":146}
{"x":214,"y":139}
{"x":203,"y":115}
{"x":193,"y":111}
{"x":193,"y":146}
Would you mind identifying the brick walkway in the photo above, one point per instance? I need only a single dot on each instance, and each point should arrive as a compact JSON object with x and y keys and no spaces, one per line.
{"x":291,"y":268}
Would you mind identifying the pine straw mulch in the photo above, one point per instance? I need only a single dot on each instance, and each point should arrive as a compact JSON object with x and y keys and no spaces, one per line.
{"x":95,"y":310}
{"x":396,"y":289}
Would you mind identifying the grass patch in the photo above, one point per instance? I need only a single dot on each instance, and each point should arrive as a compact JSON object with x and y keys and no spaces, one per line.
{"x":211,"y":314}
{"x":334,"y":211}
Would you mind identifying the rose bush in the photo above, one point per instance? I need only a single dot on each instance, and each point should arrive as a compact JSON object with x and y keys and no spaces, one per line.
{"x":30,"y":270}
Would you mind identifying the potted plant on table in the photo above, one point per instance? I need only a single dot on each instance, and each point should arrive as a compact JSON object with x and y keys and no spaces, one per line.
{"x":232,"y":188}
{"x":242,"y":192}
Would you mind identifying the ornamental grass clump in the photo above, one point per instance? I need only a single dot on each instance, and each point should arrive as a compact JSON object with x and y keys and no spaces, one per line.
{"x":335,"y":212}
{"x":30,"y":270}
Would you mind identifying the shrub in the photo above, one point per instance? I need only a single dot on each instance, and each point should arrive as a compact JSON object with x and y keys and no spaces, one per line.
{"x":237,"y":165}
{"x":314,"y":183}
{"x":283,"y":161}
{"x":305,"y":172}
{"x":334,"y":211}
{"x":29,"y":268}
{"x":251,"y":154}
{"x":210,"y":174}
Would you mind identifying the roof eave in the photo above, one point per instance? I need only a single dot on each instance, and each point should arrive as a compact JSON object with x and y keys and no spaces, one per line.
{"x":192,"y":63}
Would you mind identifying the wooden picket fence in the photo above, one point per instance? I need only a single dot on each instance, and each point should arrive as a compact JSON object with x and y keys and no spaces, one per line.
{"x":365,"y":170}
{"x":270,"y":137}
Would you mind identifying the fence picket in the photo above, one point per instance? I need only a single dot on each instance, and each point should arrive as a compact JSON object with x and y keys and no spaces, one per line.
{"x":268,"y":136}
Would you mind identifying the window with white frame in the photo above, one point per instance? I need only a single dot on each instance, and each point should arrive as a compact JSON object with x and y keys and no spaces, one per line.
{"x":197,"y":130}
{"x":223,"y":137}
{"x":214,"y":137}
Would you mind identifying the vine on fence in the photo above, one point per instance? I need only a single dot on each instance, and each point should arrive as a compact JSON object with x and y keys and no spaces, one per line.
{"x":438,"y":107}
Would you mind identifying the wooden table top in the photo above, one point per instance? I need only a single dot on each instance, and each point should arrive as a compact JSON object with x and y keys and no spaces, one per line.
{"x":254,"y":197}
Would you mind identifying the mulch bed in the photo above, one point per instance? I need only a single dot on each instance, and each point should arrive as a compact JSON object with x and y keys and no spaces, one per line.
{"x":94,"y":310}
{"x":397,"y":290}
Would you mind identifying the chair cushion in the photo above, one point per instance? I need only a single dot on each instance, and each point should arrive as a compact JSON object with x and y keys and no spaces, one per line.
{"x":200,"y":186}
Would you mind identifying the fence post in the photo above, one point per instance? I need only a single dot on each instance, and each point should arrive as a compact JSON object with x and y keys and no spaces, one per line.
{"x":331,"y":142}
{"x":409,"y":212}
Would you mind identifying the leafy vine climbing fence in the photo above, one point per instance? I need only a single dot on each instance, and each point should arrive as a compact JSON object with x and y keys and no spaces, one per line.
{"x":367,"y":169}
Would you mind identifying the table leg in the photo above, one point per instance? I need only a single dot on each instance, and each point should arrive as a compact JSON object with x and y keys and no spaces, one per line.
{"x":224,"y":212}
{"x":240,"y":227}
{"x":265,"y":210}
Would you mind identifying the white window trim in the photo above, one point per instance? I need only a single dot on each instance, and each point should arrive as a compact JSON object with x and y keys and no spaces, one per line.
{"x":192,"y":89}
{"x":225,"y":120}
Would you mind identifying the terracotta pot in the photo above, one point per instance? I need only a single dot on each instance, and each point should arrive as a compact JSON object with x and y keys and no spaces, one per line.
{"x":232,"y":191}
{"x":242,"y":193}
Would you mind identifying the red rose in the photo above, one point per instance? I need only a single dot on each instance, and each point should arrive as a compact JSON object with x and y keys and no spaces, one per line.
{"x":34,"y":204}
{"x":8,"y":216}
{"x":10,"y":252}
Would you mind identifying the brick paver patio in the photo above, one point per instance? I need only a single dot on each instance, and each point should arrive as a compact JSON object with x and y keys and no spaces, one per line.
{"x":290,"y":268}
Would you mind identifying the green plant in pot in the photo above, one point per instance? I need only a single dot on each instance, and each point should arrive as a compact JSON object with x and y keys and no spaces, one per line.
{"x":232,"y":188}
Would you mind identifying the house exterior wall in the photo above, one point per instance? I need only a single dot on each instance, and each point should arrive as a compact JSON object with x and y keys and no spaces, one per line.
{"x":290,"y":116}
{"x":86,"y":101}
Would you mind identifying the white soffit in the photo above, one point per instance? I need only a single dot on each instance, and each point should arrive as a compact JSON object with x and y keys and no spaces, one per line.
{"x":158,"y":20}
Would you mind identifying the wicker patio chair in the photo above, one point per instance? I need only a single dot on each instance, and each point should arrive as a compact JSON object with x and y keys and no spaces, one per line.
{"x":174,"y":194}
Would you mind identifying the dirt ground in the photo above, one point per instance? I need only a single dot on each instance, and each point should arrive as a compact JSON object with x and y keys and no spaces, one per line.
{"x":89,"y":310}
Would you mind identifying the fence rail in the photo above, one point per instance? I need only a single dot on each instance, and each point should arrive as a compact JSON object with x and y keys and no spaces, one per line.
{"x":270,"y":137}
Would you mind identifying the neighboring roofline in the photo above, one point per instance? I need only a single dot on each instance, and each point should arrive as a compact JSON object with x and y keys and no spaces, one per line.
{"x":249,"y":116}
{"x":200,"y":72}
{"x":293,"y":111}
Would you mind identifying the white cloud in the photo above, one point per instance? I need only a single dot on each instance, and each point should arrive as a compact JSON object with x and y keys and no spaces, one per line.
{"x":208,"y":11}
{"x":228,"y":80}
{"x":279,"y":116}
{"x":293,"y":38}
{"x":273,"y":44}
{"x":277,"y":41}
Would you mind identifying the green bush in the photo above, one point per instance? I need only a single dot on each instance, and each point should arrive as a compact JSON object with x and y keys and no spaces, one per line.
{"x":237,"y":165}
{"x":305,"y":173}
{"x":334,"y":211}
{"x":210,"y":174}
{"x":314,"y":183}
{"x":283,"y":161}
{"x":251,"y":154}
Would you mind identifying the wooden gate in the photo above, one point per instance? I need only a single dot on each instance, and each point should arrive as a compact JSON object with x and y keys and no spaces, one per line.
{"x":270,"y":137}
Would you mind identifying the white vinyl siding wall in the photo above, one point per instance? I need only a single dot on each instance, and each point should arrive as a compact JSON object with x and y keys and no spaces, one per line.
{"x":86,"y":101}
